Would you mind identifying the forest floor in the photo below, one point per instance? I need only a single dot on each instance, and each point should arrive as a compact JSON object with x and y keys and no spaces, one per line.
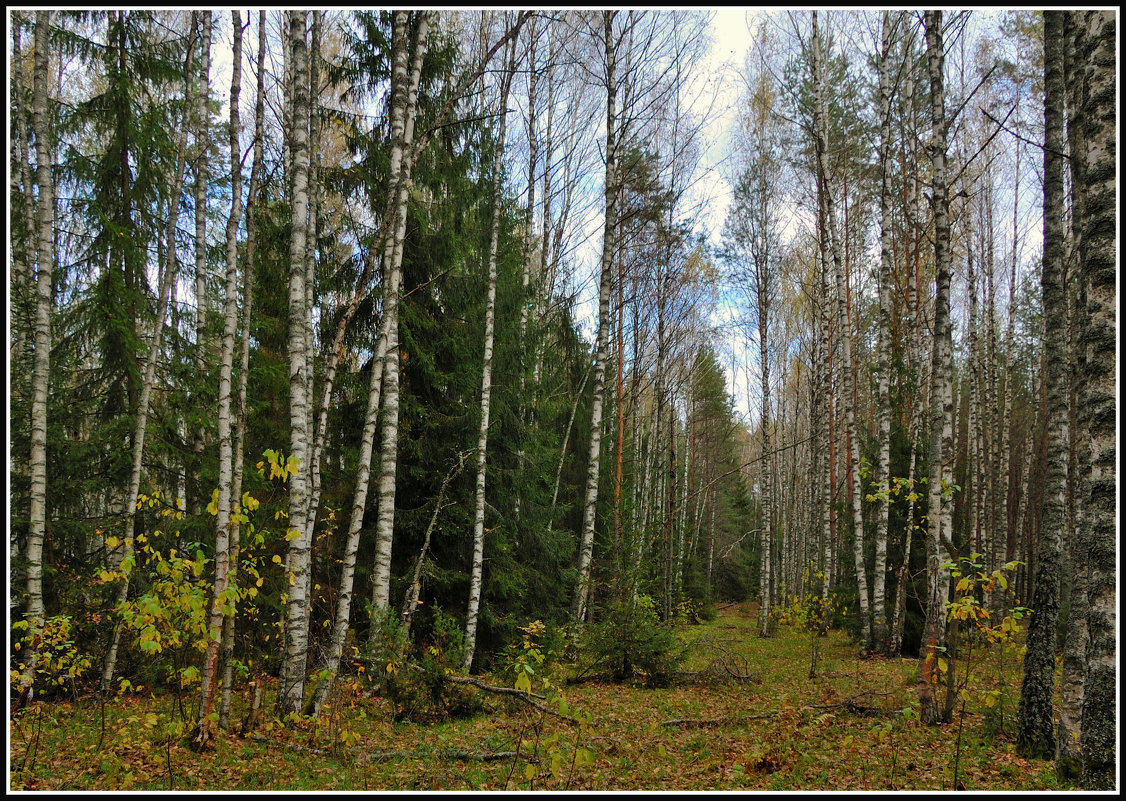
{"x":769,"y":727}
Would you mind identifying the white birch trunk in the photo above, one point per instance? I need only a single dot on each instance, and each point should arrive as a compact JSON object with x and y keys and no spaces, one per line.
{"x":609,"y":231}
{"x":291,"y":680}
{"x":940,"y":484}
{"x":883,"y":348}
{"x":385,"y":523}
{"x":477,"y":566}
{"x":44,"y":258}
{"x":226,"y":654}
{"x":203,"y":149}
{"x":219,"y":596}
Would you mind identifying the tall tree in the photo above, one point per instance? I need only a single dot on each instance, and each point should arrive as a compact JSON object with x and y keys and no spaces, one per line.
{"x":843,"y":327}
{"x":291,"y":681}
{"x":220,"y":598}
{"x":126,"y":512}
{"x":1096,"y":57}
{"x":883,"y":348}
{"x":404,"y":98}
{"x":389,"y":335}
{"x":44,"y":261}
{"x":940,"y":478}
{"x":477,"y":566}
{"x":1035,"y":734}
{"x":609,"y":231}
{"x":252,"y":204}
{"x":201,"y":168}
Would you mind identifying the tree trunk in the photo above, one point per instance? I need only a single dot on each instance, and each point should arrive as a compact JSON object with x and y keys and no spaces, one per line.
{"x":220,"y":598}
{"x":847,"y":390}
{"x":477,"y":566}
{"x":388,"y":460}
{"x":940,"y":484}
{"x":1069,"y":764}
{"x":402,"y":127}
{"x":128,"y":508}
{"x":1097,"y":160}
{"x":40,"y":380}
{"x":203,"y":151}
{"x":609,"y":230}
{"x":883,"y":349}
{"x":1035,"y":733}
{"x":291,"y":680}
{"x":226,"y":654}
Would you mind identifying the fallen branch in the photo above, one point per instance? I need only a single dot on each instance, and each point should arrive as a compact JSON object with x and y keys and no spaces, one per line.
{"x":363,"y":755}
{"x":702,"y":723}
{"x":491,"y":688}
{"x":851,"y":705}
{"x":526,"y":697}
{"x":488,"y":756}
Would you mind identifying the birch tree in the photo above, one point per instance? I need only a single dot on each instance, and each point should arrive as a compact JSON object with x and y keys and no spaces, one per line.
{"x":221,"y":599}
{"x":228,"y":644}
{"x":883,"y":349}
{"x":609,"y":230}
{"x":291,"y":680}
{"x":1035,"y":734}
{"x":401,"y":112}
{"x":847,"y":368}
{"x":389,"y":336}
{"x":939,"y":480}
{"x":477,"y":566}
{"x":44,"y":260}
{"x":1096,"y":56}
{"x":127,"y":510}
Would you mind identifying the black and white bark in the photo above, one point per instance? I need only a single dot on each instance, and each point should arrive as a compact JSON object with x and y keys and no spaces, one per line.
{"x":940,"y":474}
{"x":226,"y":653}
{"x":844,"y":332}
{"x":1097,"y":57}
{"x":476,"y":571}
{"x":44,"y":261}
{"x":291,"y":680}
{"x":392,"y":274}
{"x":609,"y":234}
{"x":1035,"y":730}
{"x":883,"y":352}
{"x":222,"y":605}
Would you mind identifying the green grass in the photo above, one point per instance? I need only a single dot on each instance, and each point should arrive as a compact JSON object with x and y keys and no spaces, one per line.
{"x":781,"y":731}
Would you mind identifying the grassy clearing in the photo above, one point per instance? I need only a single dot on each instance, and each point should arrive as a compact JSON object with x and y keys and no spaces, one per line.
{"x":844,"y":730}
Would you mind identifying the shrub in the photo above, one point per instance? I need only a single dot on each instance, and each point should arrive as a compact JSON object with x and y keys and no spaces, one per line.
{"x":414,"y":679}
{"x":633,"y":643}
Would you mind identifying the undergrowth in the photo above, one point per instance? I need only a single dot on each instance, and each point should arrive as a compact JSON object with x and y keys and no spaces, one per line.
{"x":852,"y":727}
